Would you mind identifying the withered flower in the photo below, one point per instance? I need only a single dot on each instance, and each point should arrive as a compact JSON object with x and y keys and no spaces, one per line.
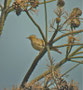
{"x":58,"y":19}
{"x":17,"y":8}
{"x":60,"y":3}
{"x":76,"y":12}
{"x":75,"y":23}
{"x":34,"y":3}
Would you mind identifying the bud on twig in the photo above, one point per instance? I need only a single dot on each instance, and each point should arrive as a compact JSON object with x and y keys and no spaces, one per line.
{"x":58,"y":19}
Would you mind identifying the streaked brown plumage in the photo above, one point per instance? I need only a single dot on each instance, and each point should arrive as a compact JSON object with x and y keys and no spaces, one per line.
{"x":36,"y":43}
{"x":39,"y":44}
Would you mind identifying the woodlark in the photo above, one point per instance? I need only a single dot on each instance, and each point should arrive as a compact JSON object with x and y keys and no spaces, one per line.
{"x":39,"y":44}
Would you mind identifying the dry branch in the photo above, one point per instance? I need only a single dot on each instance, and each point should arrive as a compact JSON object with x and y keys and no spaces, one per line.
{"x":66,"y":34}
{"x":34,"y":64}
{"x":55,"y":68}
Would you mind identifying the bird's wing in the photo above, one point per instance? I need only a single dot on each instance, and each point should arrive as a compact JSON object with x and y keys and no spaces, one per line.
{"x":40,"y":42}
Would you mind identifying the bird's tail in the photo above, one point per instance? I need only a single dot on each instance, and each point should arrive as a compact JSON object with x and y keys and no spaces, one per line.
{"x":55,"y":49}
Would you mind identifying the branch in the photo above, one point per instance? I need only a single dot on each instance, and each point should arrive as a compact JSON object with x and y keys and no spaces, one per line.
{"x":34,"y":64}
{"x":75,"y":57}
{"x":49,"y":56}
{"x":2,"y":20}
{"x":53,"y":36}
{"x":74,"y":52}
{"x":45,"y":19}
{"x":35,"y":24}
{"x":70,"y":70}
{"x":46,"y":73}
{"x":1,"y":6}
{"x":47,"y":1}
{"x":10,"y":9}
{"x":3,"y":17}
{"x":65,"y":45}
{"x":56,"y":30}
{"x":81,"y":52}
{"x":66,"y":34}
{"x":80,"y":62}
{"x":7,"y":3}
{"x":57,"y":66}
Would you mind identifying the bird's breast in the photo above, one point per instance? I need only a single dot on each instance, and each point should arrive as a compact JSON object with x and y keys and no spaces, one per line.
{"x":38,"y":45}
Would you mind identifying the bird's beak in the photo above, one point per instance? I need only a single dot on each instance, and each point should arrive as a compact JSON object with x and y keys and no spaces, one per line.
{"x":27,"y":37}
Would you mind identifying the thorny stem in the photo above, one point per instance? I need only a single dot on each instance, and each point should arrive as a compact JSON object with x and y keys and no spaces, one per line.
{"x":45,"y":19}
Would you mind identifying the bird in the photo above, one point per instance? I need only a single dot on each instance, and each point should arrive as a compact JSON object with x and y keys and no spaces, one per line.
{"x":39,"y":44}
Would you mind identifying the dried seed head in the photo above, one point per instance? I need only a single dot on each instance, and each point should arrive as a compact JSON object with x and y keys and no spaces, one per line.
{"x":17,"y":7}
{"x":75,"y":23}
{"x":34,"y":3}
{"x":18,"y":11}
{"x":76,"y":12}
{"x":60,"y":3}
{"x":58,"y":19}
{"x":18,"y":1}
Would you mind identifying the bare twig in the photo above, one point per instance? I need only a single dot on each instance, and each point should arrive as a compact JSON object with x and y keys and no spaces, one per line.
{"x":52,"y":66}
{"x":51,"y":61}
{"x":80,"y":62}
{"x":2,"y":20}
{"x":70,"y":70}
{"x":56,"y":66}
{"x":4,"y":14}
{"x":56,"y":31}
{"x":76,"y":57}
{"x":47,"y":1}
{"x":53,"y":36}
{"x":81,"y":52}
{"x":74,"y":52}
{"x":66,"y":34}
{"x":1,"y":6}
{"x":35,"y":24}
{"x":45,"y":19}
{"x":65,"y":45}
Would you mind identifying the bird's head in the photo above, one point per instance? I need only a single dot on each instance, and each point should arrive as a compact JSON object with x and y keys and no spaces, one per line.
{"x":31,"y":37}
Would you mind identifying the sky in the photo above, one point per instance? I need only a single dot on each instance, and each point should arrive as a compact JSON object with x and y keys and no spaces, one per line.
{"x":16,"y":52}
